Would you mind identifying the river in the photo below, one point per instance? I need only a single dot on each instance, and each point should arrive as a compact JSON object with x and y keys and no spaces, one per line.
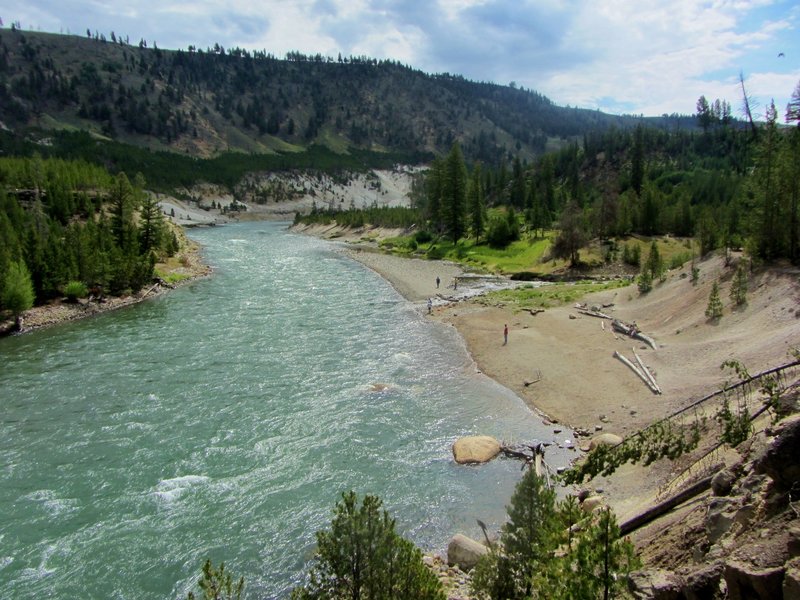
{"x":224,"y":420}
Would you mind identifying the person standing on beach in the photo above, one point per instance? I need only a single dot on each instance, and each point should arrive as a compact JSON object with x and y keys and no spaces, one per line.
{"x":505,"y":334}
{"x":430,"y":305}
{"x":437,"y":282}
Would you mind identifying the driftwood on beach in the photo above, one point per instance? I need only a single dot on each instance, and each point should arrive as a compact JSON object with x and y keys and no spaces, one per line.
{"x":595,"y":313}
{"x":640,"y":372}
{"x":646,"y":371}
{"x":633,"y":331}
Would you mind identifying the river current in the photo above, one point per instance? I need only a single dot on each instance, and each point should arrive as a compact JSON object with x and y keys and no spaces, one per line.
{"x":224,"y":420}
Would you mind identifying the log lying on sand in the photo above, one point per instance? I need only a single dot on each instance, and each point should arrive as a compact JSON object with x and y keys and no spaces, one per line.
{"x":655,"y":389}
{"x":595,"y":313}
{"x":646,"y":371}
{"x":633,"y":331}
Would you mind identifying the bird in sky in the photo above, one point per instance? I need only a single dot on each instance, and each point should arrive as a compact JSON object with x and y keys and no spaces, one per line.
{"x":781,"y":55}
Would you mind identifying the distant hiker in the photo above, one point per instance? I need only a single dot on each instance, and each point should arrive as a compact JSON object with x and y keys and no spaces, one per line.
{"x":430,"y":305}
{"x":437,"y":282}
{"x":455,"y":283}
{"x":505,"y":334}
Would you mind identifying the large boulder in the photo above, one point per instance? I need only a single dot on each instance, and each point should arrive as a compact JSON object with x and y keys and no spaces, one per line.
{"x":475,"y":449}
{"x":464,"y":552}
{"x":778,"y":459}
{"x":703,"y":582}
{"x":748,"y":582}
{"x":722,"y":482}
{"x":605,"y":439}
{"x":655,"y":584}
{"x":590,"y":504}
{"x":720,"y":517}
{"x":791,"y":580}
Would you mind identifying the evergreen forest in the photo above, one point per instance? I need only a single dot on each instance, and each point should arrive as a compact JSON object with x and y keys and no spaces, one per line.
{"x":729,"y":185}
{"x":69,"y":228}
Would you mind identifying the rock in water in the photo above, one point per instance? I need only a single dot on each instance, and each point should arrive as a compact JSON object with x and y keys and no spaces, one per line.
{"x":475,"y":449}
{"x":464,"y":552}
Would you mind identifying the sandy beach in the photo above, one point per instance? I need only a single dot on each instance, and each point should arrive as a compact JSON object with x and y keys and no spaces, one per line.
{"x":567,"y":358}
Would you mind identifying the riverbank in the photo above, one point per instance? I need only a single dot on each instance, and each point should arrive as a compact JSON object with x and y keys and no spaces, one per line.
{"x":562,"y":363}
{"x":183,"y":269}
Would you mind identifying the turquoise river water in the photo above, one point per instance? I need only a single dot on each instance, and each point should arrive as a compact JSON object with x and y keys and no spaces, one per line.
{"x":224,"y":419}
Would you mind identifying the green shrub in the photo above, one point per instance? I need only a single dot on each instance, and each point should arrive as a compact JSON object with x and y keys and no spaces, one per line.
{"x":679,"y":259}
{"x":499,"y":235}
{"x":632,"y":254}
{"x":74,"y":290}
{"x":362,"y":556}
{"x":423,"y":237}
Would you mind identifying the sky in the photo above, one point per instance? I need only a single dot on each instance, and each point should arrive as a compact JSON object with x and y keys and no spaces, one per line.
{"x":619,"y":56}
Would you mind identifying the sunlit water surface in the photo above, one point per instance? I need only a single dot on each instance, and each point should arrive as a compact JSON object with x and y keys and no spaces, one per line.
{"x":224,"y":420}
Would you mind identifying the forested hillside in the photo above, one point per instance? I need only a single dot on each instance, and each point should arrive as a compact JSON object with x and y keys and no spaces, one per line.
{"x":69,"y":228}
{"x":726,"y":185}
{"x":206,"y":102}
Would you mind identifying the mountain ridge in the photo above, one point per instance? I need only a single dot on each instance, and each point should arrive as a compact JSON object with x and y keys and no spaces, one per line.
{"x":204,"y":103}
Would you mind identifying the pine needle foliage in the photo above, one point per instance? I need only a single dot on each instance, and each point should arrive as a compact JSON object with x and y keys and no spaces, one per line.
{"x":739,"y":285}
{"x":662,"y":439}
{"x":217,"y":584}
{"x":17,"y":291}
{"x":542,"y":555}
{"x":362,"y":557}
{"x":714,"y":308}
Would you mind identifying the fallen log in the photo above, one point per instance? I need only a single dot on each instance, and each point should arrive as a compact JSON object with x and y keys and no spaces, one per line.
{"x":147,"y":293}
{"x":595,"y":313}
{"x":646,"y":339}
{"x":526,"y":383}
{"x":646,"y":371}
{"x":633,"y":331}
{"x":526,"y":452}
{"x":667,"y":505}
{"x":636,"y":370}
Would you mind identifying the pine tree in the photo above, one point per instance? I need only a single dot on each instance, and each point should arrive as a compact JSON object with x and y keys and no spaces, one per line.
{"x":434,"y":189}
{"x":739,"y":285}
{"x":572,"y":234}
{"x":767,"y":225}
{"x":121,"y":198}
{"x":600,"y":556}
{"x":645,"y":282}
{"x":17,"y":293}
{"x":528,"y":540}
{"x":654,"y":263}
{"x":542,"y":555}
{"x":637,"y":160}
{"x":362,"y":556}
{"x":714,"y":308}
{"x":151,"y":224}
{"x":454,"y":194}
{"x":217,"y":584}
{"x":475,"y":201}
